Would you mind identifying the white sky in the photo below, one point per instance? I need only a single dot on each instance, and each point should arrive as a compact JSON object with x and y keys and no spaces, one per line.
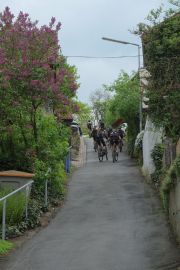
{"x":84,"y":23}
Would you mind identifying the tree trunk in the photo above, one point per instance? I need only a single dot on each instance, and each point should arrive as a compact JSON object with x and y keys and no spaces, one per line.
{"x":34,"y":125}
{"x":22,"y":131}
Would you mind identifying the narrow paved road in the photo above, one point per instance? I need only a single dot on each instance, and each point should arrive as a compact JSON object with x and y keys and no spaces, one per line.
{"x":112,"y":220}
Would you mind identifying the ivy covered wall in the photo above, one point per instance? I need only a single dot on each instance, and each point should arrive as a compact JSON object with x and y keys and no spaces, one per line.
{"x":161,"y":44}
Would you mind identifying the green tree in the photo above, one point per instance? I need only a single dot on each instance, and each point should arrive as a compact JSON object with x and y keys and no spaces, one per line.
{"x":83,"y":115}
{"x":125,"y":104}
{"x":99,"y":99}
{"x":33,"y":77}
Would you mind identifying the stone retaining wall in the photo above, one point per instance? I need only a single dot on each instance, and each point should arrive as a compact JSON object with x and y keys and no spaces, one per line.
{"x":174,"y":209}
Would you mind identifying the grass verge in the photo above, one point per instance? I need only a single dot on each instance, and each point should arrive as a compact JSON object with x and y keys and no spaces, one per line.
{"x":5,"y":246}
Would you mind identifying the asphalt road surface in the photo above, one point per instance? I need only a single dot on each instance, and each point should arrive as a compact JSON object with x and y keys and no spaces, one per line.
{"x":112,"y":220}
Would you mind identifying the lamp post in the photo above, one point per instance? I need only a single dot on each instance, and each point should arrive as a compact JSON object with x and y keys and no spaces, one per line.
{"x":139,"y":65}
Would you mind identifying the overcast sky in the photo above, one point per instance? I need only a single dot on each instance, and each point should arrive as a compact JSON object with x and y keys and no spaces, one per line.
{"x":84,"y":23}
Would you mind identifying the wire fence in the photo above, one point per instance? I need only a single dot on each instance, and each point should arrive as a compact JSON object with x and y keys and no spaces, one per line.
{"x":27,"y":188}
{"x":4,"y":199}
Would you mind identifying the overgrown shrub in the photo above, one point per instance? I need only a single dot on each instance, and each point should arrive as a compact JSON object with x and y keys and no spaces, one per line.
{"x":53,"y":148}
{"x":170,"y":179}
{"x":47,"y":164}
{"x":138,"y":148}
{"x":14,"y":152}
{"x":164,"y":178}
{"x":157,"y":157}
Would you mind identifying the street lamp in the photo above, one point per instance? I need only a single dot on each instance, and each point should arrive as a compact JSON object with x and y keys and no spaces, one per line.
{"x":139,"y":63}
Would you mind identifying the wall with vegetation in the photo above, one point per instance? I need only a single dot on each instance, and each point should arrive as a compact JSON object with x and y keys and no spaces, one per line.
{"x":161,"y":44}
{"x":152,"y":136}
{"x":162,"y":59}
{"x":174,"y":208}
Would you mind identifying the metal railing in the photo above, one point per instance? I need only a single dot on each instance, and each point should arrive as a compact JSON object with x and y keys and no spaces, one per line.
{"x":27,"y":187}
{"x":68,"y":161}
{"x":4,"y":200}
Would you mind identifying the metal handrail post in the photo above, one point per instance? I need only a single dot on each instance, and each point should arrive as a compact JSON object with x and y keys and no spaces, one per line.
{"x":4,"y":221}
{"x":69,"y":161}
{"x":27,"y":192}
{"x":70,"y":157}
